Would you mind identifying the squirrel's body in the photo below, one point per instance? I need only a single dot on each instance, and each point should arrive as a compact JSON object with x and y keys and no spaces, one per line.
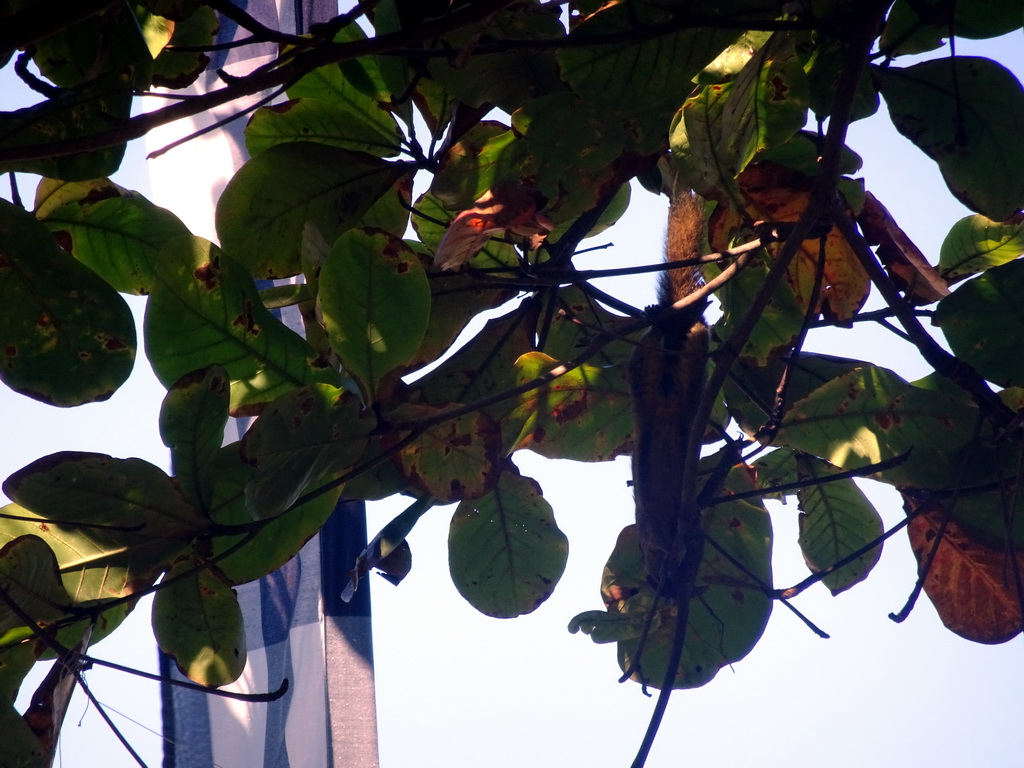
{"x":666,"y":376}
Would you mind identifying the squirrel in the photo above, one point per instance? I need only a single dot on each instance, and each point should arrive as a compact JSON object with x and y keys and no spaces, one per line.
{"x":667,"y":373}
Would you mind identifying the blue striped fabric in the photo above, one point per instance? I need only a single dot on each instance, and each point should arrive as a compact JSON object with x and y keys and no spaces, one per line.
{"x":297,"y":627}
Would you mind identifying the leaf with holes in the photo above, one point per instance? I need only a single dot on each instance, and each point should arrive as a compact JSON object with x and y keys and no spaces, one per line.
{"x":505,"y":551}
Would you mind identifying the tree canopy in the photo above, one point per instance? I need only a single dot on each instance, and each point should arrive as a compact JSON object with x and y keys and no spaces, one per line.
{"x":526,"y":123}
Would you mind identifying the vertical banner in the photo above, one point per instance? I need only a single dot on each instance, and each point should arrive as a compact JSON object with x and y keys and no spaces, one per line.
{"x":296,"y":625}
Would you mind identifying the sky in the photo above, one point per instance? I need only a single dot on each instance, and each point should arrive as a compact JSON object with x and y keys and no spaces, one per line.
{"x":455,"y":688}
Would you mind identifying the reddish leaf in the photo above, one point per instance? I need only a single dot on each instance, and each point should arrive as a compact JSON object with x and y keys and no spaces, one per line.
{"x":972,"y":586}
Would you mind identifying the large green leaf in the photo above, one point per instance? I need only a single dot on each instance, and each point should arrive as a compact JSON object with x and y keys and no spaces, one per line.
{"x":263,"y":209}
{"x":976,"y":243}
{"x":30,"y":578}
{"x":114,"y":524}
{"x":325,"y":122}
{"x":964,"y":113}
{"x":119,"y":237}
{"x":192,"y":420}
{"x":584,"y":415}
{"x":205,"y":310}
{"x":67,"y":337}
{"x":302,"y":440}
{"x":505,"y":552}
{"x":198,"y":622}
{"x":870,"y":414}
{"x":981,"y":320}
{"x":375,"y":300}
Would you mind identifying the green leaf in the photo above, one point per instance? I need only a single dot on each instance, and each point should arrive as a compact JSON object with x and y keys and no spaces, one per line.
{"x":870,"y":414}
{"x":357,"y":83}
{"x":750,"y":393}
{"x":177,"y":68}
{"x":192,"y":420}
{"x":505,"y":552}
{"x":119,"y":238}
{"x":823,"y":70}
{"x":263,"y":209}
{"x":66,"y":336}
{"x":205,"y":310}
{"x":767,"y":104}
{"x":637,"y":76}
{"x":836,"y":520}
{"x":485,"y":366}
{"x":376,"y":303}
{"x":727,"y":615}
{"x":507,"y":79}
{"x":91,"y":109}
{"x":916,"y":26}
{"x":976,"y":243}
{"x":22,"y":749}
{"x":276,"y":542}
{"x":981,"y":320}
{"x":454,"y":460}
{"x":114,"y":524}
{"x":30,"y":578}
{"x":102,"y":44}
{"x":778,"y":324}
{"x":584,"y":415}
{"x":301,"y":441}
{"x":964,"y":114}
{"x":718,"y":132}
{"x":324,"y":122}
{"x":198,"y":622}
